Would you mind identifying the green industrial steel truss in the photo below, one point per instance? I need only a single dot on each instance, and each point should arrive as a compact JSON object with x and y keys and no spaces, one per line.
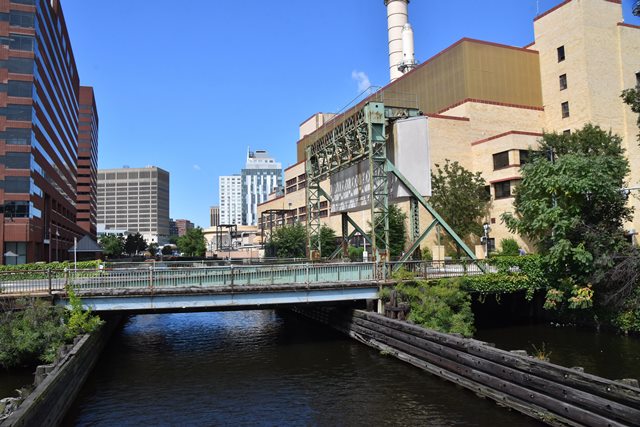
{"x":358,"y":137}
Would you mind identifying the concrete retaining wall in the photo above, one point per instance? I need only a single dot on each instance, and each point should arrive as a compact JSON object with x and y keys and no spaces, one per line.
{"x":58,"y":385}
{"x":550,"y":393}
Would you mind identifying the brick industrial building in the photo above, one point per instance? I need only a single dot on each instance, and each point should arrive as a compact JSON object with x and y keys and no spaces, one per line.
{"x":39,"y":96}
{"x":485,"y":104}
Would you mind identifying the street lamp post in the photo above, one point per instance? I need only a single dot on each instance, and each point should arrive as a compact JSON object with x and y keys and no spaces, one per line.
{"x":57,"y":239}
{"x":485,"y":239}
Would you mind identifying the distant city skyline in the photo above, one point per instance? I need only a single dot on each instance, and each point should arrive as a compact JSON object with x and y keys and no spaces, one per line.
{"x":193,"y":108}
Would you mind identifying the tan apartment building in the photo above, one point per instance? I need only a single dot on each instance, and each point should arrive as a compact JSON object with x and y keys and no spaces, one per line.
{"x":487,"y":103}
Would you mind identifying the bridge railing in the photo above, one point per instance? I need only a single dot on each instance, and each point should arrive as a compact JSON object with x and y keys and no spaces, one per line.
{"x":442,"y":269}
{"x":162,"y":276}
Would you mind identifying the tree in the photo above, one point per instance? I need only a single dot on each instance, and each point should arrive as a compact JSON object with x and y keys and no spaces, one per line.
{"x":570,"y":202}
{"x":167,"y":250}
{"x":289,"y":241}
{"x":631,"y":97}
{"x":397,"y":232}
{"x":112,"y":246}
{"x":327,"y":240}
{"x":460,"y":197}
{"x":153,"y":248}
{"x":193,"y":243}
{"x":135,"y":243}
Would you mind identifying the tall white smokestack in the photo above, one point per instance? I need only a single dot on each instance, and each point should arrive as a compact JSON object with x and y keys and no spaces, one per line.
{"x":397,"y":17}
{"x":408,"y":52}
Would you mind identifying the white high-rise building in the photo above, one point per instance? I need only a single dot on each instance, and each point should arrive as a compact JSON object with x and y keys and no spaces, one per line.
{"x":261,"y":176}
{"x":230,"y":187}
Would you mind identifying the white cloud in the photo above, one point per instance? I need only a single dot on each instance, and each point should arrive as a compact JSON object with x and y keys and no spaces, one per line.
{"x":196,"y":167}
{"x":362,"y":79}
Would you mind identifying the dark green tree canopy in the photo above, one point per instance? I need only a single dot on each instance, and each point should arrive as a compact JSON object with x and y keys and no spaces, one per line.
{"x":288,"y":242}
{"x":135,"y":243}
{"x":460,"y":197}
{"x":570,"y":202}
{"x":193,"y":243}
{"x":631,"y":97}
{"x":113,"y":246}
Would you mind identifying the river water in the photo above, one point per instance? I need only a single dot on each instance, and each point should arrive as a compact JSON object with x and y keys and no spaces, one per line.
{"x":264,"y":368}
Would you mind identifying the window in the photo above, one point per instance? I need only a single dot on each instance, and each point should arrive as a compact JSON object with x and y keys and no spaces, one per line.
{"x":502,"y":190}
{"x":16,"y":209}
{"x":561,"y":54}
{"x":16,"y":136}
{"x":566,"y":132}
{"x":32,"y":2}
{"x":500,"y":160}
{"x":21,"y":19}
{"x":524,"y":156}
{"x":17,"y":112}
{"x":563,"y":82}
{"x":20,"y":88}
{"x":21,"y":42}
{"x":18,"y":65}
{"x":17,"y":184}
{"x":565,"y":110}
{"x":17,"y":160}
{"x":637,"y":79}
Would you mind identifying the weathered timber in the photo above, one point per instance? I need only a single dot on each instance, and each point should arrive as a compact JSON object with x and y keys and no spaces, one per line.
{"x":608,"y":389}
{"x":550,"y":393}
{"x":597,"y":404}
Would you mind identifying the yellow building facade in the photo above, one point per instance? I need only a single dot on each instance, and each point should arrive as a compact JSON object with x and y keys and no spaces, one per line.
{"x":486,"y":104}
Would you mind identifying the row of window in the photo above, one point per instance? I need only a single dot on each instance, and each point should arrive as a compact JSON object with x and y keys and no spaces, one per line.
{"x":18,"y":18}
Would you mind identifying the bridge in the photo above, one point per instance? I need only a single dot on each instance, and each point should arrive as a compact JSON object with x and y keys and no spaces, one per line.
{"x":162,"y":287}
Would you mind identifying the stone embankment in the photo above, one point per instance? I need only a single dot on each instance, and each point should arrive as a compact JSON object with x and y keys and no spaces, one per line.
{"x":57,"y":385}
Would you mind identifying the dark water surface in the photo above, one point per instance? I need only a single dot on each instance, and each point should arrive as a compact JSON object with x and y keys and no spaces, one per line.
{"x":14,"y":379}
{"x":604,"y":354}
{"x":264,"y":368}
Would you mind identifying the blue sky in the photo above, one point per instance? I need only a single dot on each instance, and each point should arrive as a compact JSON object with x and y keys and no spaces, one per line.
{"x":188,"y":86}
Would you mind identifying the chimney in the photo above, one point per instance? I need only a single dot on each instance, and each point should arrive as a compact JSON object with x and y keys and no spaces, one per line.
{"x":397,"y":17}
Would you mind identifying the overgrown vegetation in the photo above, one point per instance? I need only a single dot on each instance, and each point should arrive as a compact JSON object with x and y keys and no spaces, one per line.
{"x":327,"y":240}
{"x":397,"y":231}
{"x":631,"y":97}
{"x":570,"y":202}
{"x":509,"y":247}
{"x":440,"y":305}
{"x":33,"y":330}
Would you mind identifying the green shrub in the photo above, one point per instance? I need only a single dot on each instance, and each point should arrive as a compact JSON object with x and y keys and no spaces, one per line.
{"x":80,"y":321}
{"x":32,"y":330}
{"x":439,"y":305}
{"x":355,"y":254}
{"x":426,"y":254}
{"x":509,"y":247}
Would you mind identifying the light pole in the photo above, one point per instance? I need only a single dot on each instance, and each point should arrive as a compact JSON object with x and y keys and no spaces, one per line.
{"x":485,"y":239}
{"x":57,"y":239}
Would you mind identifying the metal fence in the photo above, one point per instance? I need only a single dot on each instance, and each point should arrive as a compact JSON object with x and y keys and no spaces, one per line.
{"x":178,"y":275}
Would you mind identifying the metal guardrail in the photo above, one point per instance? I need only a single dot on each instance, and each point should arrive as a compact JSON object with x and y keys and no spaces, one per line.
{"x":162,"y":276}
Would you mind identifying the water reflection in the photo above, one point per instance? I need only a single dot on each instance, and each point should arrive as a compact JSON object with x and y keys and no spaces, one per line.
{"x":264,"y":368}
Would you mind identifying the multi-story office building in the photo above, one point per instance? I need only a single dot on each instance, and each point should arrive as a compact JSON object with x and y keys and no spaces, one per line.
{"x":214,"y":214}
{"x":486,"y":104}
{"x":261,"y":176}
{"x":38,"y":133}
{"x":182,"y":226}
{"x":230,"y":199}
{"x":87,"y":186}
{"x":135,"y":199}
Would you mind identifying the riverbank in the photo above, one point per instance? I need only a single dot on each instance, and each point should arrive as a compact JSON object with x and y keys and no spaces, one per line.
{"x":57,"y":384}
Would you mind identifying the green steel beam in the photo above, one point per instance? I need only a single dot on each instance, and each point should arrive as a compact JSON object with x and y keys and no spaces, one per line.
{"x":416,"y":245}
{"x":432,"y":211}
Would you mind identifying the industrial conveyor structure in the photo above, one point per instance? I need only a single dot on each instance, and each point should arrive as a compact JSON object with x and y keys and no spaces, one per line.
{"x":357,"y":137}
